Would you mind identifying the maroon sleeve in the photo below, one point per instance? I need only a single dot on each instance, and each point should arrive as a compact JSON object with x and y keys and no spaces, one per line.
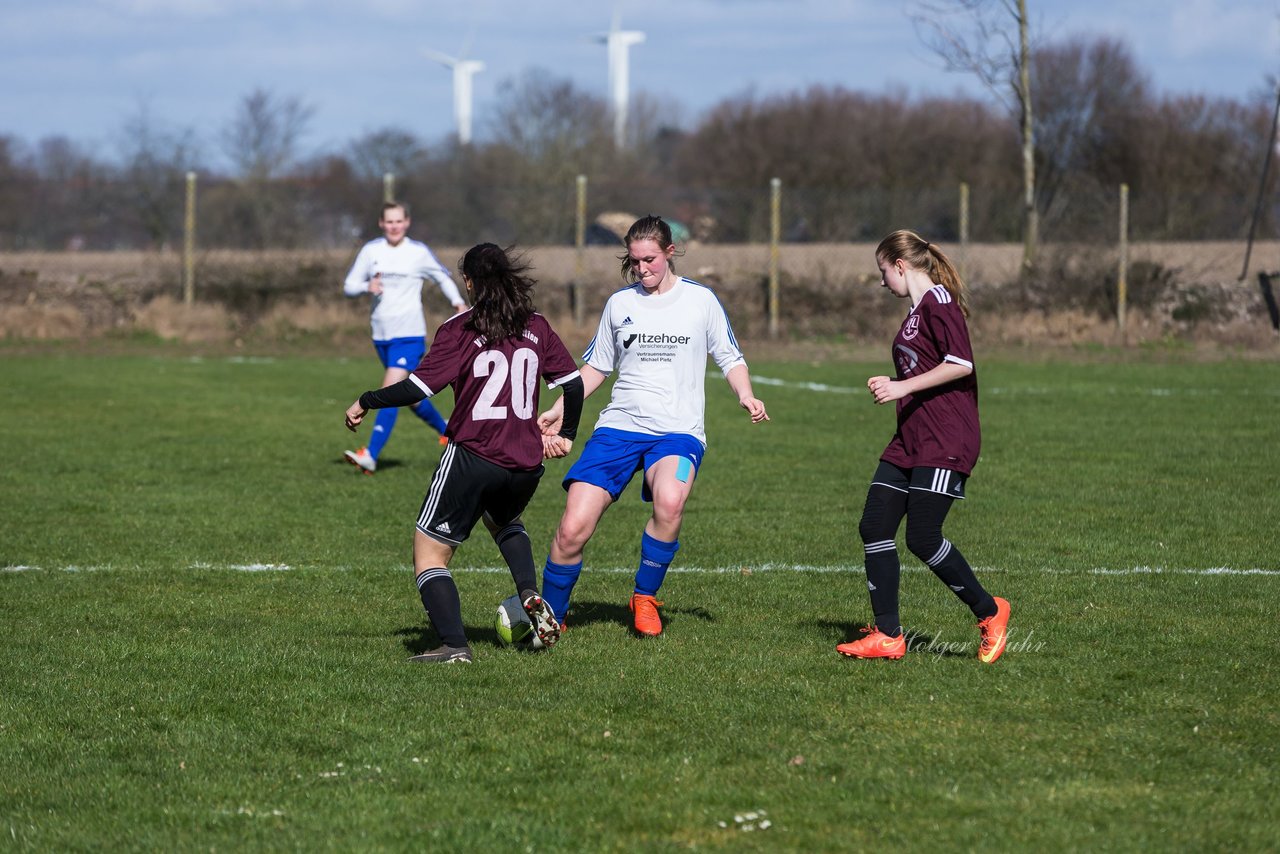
{"x":558,"y":363}
{"x":440,"y":366}
{"x":947,"y":327}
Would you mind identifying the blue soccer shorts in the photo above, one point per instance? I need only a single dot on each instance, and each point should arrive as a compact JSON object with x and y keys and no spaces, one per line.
{"x":403,"y":353}
{"x":611,"y":458}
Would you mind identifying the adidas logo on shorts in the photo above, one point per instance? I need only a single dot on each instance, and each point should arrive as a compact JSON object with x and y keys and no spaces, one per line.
{"x":443,"y":527}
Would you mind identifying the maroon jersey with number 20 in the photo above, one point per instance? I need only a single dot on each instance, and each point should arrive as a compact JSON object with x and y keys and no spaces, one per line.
{"x":495,"y":387}
{"x":937,"y":427}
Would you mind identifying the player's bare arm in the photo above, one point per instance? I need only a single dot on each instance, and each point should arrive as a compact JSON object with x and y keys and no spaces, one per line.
{"x":740,"y":381}
{"x":885,"y":389}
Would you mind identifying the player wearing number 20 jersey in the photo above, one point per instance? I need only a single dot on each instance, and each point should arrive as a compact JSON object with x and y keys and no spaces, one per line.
{"x":495,"y":387}
{"x":493,"y":356}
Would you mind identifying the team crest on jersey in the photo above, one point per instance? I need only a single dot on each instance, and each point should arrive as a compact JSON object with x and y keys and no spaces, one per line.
{"x":907,"y":359}
{"x":911,"y":328}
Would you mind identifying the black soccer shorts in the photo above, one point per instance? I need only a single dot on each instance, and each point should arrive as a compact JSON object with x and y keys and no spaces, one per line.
{"x":465,"y":487}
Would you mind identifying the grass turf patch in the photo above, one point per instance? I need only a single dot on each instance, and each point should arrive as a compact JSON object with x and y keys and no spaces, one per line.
{"x":206,"y":614}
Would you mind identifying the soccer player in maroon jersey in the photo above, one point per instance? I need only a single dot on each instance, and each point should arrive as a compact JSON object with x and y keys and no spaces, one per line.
{"x":924,"y":468}
{"x":492,"y":356}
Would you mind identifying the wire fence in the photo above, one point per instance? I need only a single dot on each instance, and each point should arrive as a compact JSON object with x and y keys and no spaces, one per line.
{"x":327,"y":214}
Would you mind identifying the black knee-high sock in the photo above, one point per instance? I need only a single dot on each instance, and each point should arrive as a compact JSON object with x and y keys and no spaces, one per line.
{"x":925,"y":514}
{"x":881,"y":516}
{"x":517,"y":551}
{"x":955,"y":572}
{"x":883,"y":573}
{"x":444,"y":607}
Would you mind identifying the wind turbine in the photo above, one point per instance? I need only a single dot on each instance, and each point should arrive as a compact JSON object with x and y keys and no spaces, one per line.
{"x":618,"y":43}
{"x":463,"y":71}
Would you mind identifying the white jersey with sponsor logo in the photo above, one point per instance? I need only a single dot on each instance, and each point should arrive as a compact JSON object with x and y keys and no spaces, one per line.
{"x":397,"y":311}
{"x":659,"y":346}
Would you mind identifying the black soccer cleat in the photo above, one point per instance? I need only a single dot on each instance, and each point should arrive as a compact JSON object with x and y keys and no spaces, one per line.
{"x":444,"y":655}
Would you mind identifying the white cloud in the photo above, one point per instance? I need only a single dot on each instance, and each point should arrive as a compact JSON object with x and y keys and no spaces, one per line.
{"x":1202,"y":28}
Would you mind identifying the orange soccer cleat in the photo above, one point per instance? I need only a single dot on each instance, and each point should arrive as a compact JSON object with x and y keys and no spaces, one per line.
{"x":876,"y":644}
{"x":995,"y":632}
{"x":645,"y":608}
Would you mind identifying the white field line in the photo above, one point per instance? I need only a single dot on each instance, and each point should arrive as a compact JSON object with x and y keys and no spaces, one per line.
{"x":703,"y":570}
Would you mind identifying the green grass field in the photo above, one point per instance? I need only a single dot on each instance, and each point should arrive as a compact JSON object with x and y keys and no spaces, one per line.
{"x":204,"y":615}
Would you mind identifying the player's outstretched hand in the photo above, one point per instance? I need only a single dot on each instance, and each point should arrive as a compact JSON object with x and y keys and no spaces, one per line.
{"x":755,"y":406}
{"x":550,"y":421}
{"x":556,"y":446}
{"x":355,"y":414}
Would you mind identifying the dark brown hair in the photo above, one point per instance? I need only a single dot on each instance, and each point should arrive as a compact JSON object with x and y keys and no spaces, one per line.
{"x":501,"y":292}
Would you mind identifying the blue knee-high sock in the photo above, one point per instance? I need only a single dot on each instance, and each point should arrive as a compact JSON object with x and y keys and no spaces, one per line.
{"x":655,"y":557}
{"x":383,"y":424}
{"x":557,"y":585}
{"x":428,"y":413}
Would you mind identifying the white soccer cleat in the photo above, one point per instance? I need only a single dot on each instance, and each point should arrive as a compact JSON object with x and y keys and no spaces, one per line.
{"x":362,"y":460}
{"x":545,"y":624}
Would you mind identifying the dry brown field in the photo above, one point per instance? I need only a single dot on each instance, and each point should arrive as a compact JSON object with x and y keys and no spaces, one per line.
{"x":828,"y":294}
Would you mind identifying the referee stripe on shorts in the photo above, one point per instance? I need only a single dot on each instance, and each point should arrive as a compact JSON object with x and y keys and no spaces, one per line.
{"x":437,"y":485}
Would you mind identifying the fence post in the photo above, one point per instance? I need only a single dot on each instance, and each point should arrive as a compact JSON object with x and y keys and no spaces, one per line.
{"x":1122,"y":277}
{"x":579,"y":242}
{"x":964,"y":225}
{"x":1262,"y":186}
{"x":189,"y":243}
{"x":775,"y":234}
{"x":388,"y":186}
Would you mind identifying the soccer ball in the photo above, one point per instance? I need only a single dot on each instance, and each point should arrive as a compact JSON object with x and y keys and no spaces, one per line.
{"x":513,"y":626}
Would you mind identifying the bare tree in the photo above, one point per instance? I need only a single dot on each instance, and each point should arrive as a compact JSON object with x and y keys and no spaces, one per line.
{"x":1090,"y":104}
{"x":543,"y":133}
{"x":853,"y":165}
{"x":154,"y":163}
{"x":390,"y":150}
{"x":75,"y":203}
{"x":263,"y":142}
{"x":264,"y":136}
{"x":19,"y":195}
{"x":991,"y":40}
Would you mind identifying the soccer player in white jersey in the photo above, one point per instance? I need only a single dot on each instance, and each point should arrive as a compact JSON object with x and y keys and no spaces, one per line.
{"x":390,"y":269}
{"x":656,"y":333}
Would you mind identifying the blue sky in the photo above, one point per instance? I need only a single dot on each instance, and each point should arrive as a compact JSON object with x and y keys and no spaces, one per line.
{"x":79,"y":68}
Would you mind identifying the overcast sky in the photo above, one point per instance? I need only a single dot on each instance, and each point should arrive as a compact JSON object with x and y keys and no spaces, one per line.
{"x":79,"y":68}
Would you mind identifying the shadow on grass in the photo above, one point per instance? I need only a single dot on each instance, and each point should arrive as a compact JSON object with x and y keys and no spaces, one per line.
{"x":419,"y":639}
{"x":585,"y":613}
{"x":383,"y":464}
{"x":918,"y":643}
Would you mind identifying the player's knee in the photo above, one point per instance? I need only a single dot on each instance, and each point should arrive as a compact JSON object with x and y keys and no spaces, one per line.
{"x":668,"y":510}
{"x":876,"y":524}
{"x":572,"y":535}
{"x":924,"y":542}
